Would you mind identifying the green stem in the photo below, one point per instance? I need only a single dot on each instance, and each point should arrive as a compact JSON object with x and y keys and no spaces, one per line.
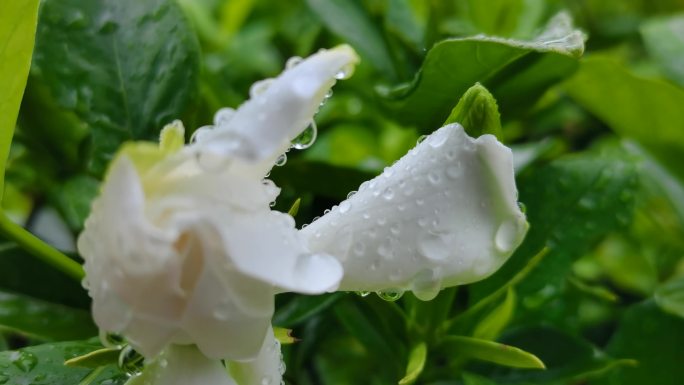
{"x":40,"y":249}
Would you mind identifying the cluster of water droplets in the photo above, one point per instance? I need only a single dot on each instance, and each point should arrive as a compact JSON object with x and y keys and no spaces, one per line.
{"x":275,"y":350}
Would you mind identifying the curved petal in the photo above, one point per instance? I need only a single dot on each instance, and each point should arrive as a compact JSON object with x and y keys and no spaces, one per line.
{"x":183,"y":365}
{"x":445,"y":214}
{"x":262,"y":127}
{"x":267,"y":246}
{"x":267,"y":368}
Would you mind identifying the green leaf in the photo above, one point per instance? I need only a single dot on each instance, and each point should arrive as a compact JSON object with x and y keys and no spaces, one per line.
{"x":477,"y":112}
{"x":17,"y":31}
{"x":349,"y":20}
{"x":126,"y":69}
{"x":306,"y":176}
{"x":664,"y":40}
{"x":491,"y":351}
{"x":416,"y":363}
{"x":568,"y":359}
{"x":654,"y":339}
{"x":23,"y":274}
{"x":44,"y":320}
{"x":473,"y":379}
{"x":453,"y":65}
{"x":72,"y":199}
{"x":491,"y":326}
{"x":95,"y":359}
{"x":649,"y":111}
{"x":670,"y":297}
{"x":302,"y":307}
{"x":572,"y":203}
{"x":44,"y":364}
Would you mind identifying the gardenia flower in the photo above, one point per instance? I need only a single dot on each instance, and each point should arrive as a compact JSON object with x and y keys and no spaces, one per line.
{"x":183,"y":254}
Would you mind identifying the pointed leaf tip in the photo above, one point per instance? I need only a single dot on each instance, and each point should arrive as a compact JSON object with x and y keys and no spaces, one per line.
{"x":477,"y":112}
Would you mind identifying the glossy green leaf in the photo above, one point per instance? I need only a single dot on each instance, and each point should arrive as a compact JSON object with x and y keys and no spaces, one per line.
{"x":44,"y":365}
{"x":416,"y":364}
{"x":477,"y":112}
{"x":44,"y":320}
{"x":649,"y":111}
{"x":568,"y":359}
{"x":95,"y":359}
{"x":664,"y":40}
{"x":652,"y":338}
{"x":73,"y":198}
{"x":670,"y":297}
{"x":491,"y":325}
{"x":572,"y":203}
{"x":491,"y":351}
{"x":17,"y":31}
{"x":349,"y":20}
{"x":454,"y":65}
{"x":126,"y":68}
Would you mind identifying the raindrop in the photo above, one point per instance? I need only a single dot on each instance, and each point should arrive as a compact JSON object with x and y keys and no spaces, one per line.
{"x":394,"y":229}
{"x":345,"y":72}
{"x":24,"y":361}
{"x":388,"y":193}
{"x":426,"y":285}
{"x":199,"y":133}
{"x":358,"y":248}
{"x":421,"y":139}
{"x":434,"y":177}
{"x":281,"y":160}
{"x":327,"y":96}
{"x":344,"y":207}
{"x":509,"y":234}
{"x":259,"y":87}
{"x":293,"y":61}
{"x":362,"y":293}
{"x":223,"y":116}
{"x":433,"y":246}
{"x":306,"y":138}
{"x":438,"y":138}
{"x":420,"y":201}
{"x":390,"y":295}
{"x":351,"y":194}
{"x":522,"y":207}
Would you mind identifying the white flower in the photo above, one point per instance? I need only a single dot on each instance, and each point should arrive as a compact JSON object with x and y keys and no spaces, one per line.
{"x":181,"y":247}
{"x":445,"y":214}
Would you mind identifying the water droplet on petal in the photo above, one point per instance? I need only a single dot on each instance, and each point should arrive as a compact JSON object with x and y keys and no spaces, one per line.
{"x":306,"y":138}
{"x":390,"y":295}
{"x":509,"y":234}
{"x":259,"y":87}
{"x":426,"y":285}
{"x":351,"y":194}
{"x":281,"y":160}
{"x":362,"y":293}
{"x":434,"y":177}
{"x":223,"y":116}
{"x":345,"y":72}
{"x":388,"y":193}
{"x":293,"y":61}
{"x":434,"y":246}
{"x":438,"y":138}
{"x":344,"y":207}
{"x":421,"y":139}
{"x":199,"y":133}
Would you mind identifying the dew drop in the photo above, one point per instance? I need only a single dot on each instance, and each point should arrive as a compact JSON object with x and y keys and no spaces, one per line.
{"x":362,"y":293}
{"x":388,"y":193}
{"x":426,"y":285}
{"x":438,"y":138}
{"x":281,"y":160}
{"x":345,"y":72}
{"x":394,"y":229}
{"x":306,"y":138}
{"x":23,"y":360}
{"x":390,"y":295}
{"x":434,"y":177}
{"x":351,"y":194}
{"x":259,"y":87}
{"x":293,"y":61}
{"x":509,"y":234}
{"x":434,"y":246}
{"x":200,"y":133}
{"x":223,"y":116}
{"x":130,"y":361}
{"x":421,"y":139}
{"x":345,"y":206}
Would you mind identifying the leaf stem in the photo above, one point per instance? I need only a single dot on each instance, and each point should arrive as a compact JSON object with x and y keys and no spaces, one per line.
{"x":40,"y":249}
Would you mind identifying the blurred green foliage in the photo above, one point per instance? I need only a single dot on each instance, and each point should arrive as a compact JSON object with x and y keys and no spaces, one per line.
{"x":595,"y":292}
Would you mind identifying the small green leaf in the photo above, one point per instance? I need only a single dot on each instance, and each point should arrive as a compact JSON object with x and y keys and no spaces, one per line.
{"x":453,"y":65}
{"x":491,"y":326}
{"x":473,"y":379}
{"x":44,"y":320}
{"x":294,"y":209}
{"x":17,"y":30}
{"x":477,"y":112}
{"x":416,"y":363}
{"x":670,"y":297}
{"x":491,"y":351}
{"x":95,"y":359}
{"x":302,"y":307}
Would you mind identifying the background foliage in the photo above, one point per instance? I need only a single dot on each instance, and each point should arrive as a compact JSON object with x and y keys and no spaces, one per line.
{"x":596,"y":292}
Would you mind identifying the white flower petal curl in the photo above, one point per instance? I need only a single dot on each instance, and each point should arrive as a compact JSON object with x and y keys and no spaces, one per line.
{"x":262,"y":128}
{"x":445,"y":214}
{"x":183,"y":365}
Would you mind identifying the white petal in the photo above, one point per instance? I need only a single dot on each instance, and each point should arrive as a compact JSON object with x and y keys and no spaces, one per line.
{"x":267,"y":368}
{"x":183,"y":365}
{"x":266,"y":245}
{"x":262,"y":127}
{"x":445,"y":214}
